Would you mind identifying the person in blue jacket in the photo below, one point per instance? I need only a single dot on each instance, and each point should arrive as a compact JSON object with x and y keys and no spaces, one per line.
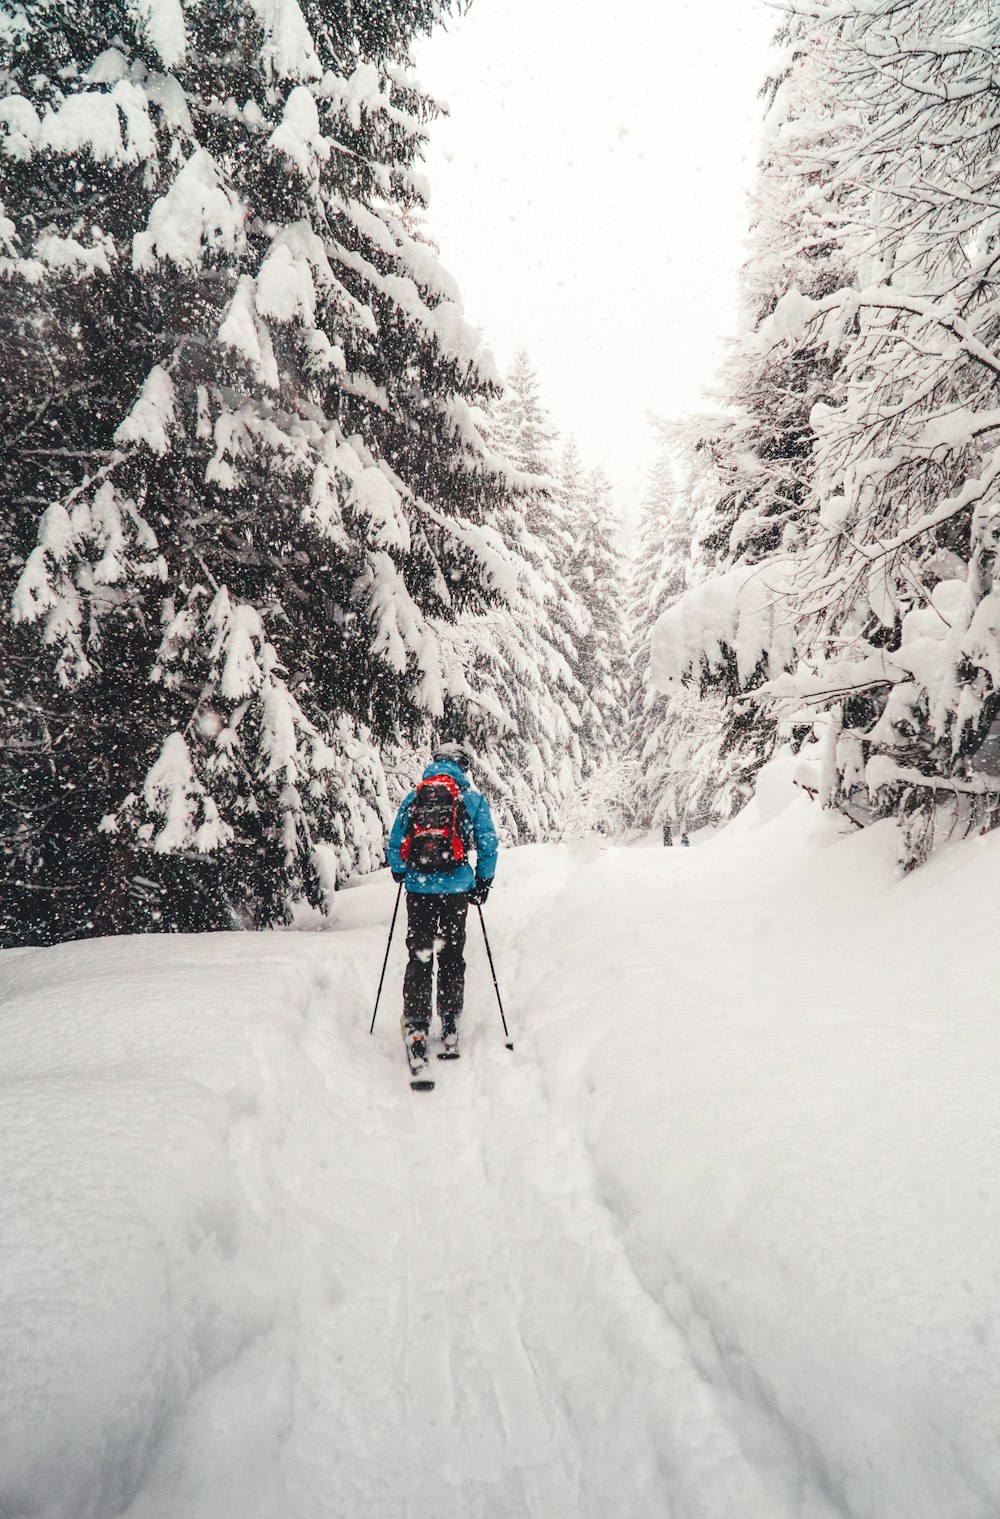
{"x":437,"y":903}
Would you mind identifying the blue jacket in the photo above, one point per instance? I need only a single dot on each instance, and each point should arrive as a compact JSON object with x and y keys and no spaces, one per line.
{"x":478,"y":833}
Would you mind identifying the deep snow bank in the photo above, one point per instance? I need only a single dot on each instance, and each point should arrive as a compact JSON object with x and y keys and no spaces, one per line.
{"x":796,"y":1125}
{"x":135,"y":1265}
{"x":719,"y":1238}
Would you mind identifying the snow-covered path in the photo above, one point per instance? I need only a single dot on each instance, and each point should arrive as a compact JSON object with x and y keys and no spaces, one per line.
{"x":718,"y":1239}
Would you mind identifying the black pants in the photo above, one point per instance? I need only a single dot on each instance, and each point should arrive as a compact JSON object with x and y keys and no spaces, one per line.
{"x":434,"y":922}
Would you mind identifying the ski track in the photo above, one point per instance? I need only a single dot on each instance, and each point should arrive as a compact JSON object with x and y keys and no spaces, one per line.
{"x":449,"y":1305}
{"x":533,"y":1373}
{"x":463,"y":1333}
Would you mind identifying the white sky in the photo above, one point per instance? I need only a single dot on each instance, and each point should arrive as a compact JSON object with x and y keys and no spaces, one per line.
{"x":588,"y":192}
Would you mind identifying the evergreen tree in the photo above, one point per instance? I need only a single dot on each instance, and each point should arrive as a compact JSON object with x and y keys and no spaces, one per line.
{"x":243,"y":486}
{"x":523,"y":431}
{"x":522,"y":709}
{"x":899,"y":630}
{"x":761,"y":444}
{"x":876,"y":611}
{"x":661,"y":555}
{"x":596,"y":573}
{"x":529,"y":441}
{"x":685,"y":772}
{"x":750,"y":468}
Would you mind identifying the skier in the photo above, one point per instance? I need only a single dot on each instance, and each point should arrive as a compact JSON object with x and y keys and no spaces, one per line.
{"x":439,"y":821}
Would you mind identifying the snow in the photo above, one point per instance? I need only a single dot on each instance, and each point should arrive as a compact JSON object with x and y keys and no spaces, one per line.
{"x":298,"y":136}
{"x":392,"y":237}
{"x":20,"y":126}
{"x":788,"y":320}
{"x":243,"y":330}
{"x":166,"y":94}
{"x":163,"y":23}
{"x":718,"y":1238}
{"x":445,"y":322}
{"x":361,"y":93}
{"x":108,"y":67}
{"x":981,"y":645}
{"x":375,"y":499}
{"x":460,"y":340}
{"x":399,"y":625}
{"x":69,"y":256}
{"x":239,"y":640}
{"x":285,"y":287}
{"x":744,"y":613}
{"x":153,"y":416}
{"x":324,"y":509}
{"x":288,"y":50}
{"x":198,"y":214}
{"x":108,"y":531}
{"x":287,"y":281}
{"x":91,"y":122}
{"x":278,"y":739}
{"x":172,"y":792}
{"x":8,"y":231}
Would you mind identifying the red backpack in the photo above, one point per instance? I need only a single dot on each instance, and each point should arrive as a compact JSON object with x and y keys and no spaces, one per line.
{"x":433,"y":844}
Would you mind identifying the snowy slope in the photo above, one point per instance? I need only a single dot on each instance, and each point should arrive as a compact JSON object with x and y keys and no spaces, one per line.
{"x":718,"y":1239}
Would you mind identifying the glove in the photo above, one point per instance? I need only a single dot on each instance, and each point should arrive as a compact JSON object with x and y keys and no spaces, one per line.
{"x":479,"y":892}
{"x":399,"y":876}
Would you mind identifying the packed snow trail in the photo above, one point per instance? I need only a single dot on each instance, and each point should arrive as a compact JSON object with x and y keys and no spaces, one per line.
{"x":718,"y":1238}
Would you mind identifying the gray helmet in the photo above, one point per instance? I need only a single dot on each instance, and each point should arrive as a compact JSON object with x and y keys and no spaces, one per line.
{"x":457,"y":754}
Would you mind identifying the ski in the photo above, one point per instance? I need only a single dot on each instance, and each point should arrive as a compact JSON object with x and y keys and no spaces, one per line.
{"x":421,"y":1079}
{"x":449,"y":1039}
{"x":416,"y":1058}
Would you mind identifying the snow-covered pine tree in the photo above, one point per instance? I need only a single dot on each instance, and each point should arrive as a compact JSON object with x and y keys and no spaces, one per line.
{"x":883,"y":614}
{"x":761,"y":443}
{"x":661,"y":554}
{"x":521,"y":423}
{"x":596,"y":574}
{"x":242,"y":482}
{"x":522,"y":711}
{"x":529,"y":441}
{"x":682,"y":771}
{"x":899,"y":624}
{"x":753,"y":462}
{"x":726,"y":734}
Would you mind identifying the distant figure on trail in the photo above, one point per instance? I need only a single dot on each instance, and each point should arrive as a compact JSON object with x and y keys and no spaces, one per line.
{"x":668,"y":836}
{"x":685,"y":841}
{"x":438,"y":823}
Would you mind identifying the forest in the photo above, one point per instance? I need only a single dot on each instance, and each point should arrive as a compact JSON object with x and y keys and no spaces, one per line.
{"x":274,"y":523}
{"x":703,"y":1221}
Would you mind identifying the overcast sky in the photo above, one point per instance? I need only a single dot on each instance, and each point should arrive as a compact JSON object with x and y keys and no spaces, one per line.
{"x":588,"y":192}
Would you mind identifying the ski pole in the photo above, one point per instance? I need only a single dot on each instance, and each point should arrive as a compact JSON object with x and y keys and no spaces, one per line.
{"x":385,"y":962}
{"x":489,"y":956}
